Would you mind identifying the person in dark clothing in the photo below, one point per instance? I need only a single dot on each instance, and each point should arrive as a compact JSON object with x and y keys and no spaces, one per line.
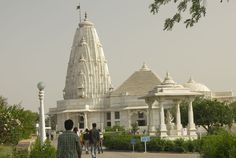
{"x":86,"y":140}
{"x":94,"y":140}
{"x":68,"y":145}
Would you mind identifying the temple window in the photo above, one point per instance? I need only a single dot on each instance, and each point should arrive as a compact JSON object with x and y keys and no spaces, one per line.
{"x":117,"y":115}
{"x":108,"y":115}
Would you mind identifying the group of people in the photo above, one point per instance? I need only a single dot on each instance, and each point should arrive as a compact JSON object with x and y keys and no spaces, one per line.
{"x":71,"y":143}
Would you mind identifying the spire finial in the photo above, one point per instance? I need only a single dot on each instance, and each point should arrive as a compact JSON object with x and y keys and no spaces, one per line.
{"x":167,"y":74}
{"x":144,"y":67}
{"x":191,"y":80}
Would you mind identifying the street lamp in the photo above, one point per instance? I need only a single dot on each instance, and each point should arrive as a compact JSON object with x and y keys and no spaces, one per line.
{"x":42,"y":133}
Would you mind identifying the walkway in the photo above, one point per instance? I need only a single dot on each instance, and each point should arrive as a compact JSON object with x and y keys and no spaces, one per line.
{"x":110,"y":154}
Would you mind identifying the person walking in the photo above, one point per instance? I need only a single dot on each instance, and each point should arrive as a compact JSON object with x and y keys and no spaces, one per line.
{"x":100,"y":150}
{"x":75,"y":130}
{"x":94,"y":140}
{"x":68,"y":145}
{"x":81,"y":138}
{"x":86,"y":140}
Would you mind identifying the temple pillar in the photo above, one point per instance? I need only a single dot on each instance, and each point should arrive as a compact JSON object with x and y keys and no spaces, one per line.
{"x":178,"y":119}
{"x":85,"y":120}
{"x":150,"y":127}
{"x":191,"y":124}
{"x":163,"y":130}
{"x":129,"y":119}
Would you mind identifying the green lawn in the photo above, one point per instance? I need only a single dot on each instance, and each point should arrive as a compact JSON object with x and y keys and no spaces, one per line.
{"x":5,"y":151}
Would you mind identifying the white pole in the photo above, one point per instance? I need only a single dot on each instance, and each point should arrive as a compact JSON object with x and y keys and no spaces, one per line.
{"x":41,"y":87}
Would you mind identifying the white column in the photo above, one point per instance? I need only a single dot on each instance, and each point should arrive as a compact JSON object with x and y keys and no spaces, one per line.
{"x":150,"y":127}
{"x":50,"y":126}
{"x":163,"y":130}
{"x":41,"y":87}
{"x":85,"y":120}
{"x":112,"y":118}
{"x":129,"y":119}
{"x":178,"y":119}
{"x":191,"y":124}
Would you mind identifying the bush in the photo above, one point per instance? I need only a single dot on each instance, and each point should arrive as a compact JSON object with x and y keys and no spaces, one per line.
{"x":115,"y":128}
{"x":221,"y":145}
{"x":20,"y":154}
{"x":121,"y":141}
{"x":44,"y":151}
{"x":192,"y":145}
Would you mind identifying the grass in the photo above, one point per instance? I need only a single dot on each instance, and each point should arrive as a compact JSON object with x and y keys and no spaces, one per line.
{"x":5,"y":151}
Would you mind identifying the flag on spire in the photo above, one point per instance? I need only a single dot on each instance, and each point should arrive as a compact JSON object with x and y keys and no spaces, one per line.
{"x":78,"y":7}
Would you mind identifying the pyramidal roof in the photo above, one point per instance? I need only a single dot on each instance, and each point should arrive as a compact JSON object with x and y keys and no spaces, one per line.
{"x":139,"y":83}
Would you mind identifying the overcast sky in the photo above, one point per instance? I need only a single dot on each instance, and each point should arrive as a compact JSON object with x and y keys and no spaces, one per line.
{"x":36,"y":38}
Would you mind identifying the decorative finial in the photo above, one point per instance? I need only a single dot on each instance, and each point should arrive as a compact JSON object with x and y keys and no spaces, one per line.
{"x":144,"y":67}
{"x":168,"y":80}
{"x":167,"y":74}
{"x":191,"y":80}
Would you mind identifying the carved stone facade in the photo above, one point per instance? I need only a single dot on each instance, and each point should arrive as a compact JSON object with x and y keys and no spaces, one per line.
{"x":87,"y":73}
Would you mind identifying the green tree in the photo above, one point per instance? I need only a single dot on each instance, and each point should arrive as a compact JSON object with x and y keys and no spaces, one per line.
{"x":15,"y":122}
{"x":196,"y":9}
{"x":209,"y":114}
{"x":233,"y":108}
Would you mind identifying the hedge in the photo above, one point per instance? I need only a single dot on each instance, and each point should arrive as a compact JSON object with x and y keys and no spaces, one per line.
{"x":121,"y":141}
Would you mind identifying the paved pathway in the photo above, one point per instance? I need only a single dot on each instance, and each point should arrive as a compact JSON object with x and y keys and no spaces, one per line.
{"x":110,"y":154}
{"x":118,"y":154}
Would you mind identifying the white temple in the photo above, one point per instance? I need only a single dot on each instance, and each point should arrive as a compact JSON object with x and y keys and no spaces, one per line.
{"x":143,"y":98}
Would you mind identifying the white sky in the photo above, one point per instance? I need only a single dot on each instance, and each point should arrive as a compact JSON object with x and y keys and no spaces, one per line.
{"x":36,"y":37}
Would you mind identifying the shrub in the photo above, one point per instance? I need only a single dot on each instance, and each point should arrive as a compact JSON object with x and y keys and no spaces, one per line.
{"x":20,"y":154}
{"x":218,"y":146}
{"x":44,"y":151}
{"x":121,"y":141}
{"x":179,"y":146}
{"x":115,"y":128}
{"x":192,"y":145}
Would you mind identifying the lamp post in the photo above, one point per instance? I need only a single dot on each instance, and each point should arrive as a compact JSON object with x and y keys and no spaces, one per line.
{"x":42,"y":133}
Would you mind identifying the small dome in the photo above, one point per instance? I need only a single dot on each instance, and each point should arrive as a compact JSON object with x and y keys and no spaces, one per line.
{"x":168,"y":80}
{"x":194,"y":86}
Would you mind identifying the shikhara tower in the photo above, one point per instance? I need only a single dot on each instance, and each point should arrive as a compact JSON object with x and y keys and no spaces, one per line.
{"x":88,"y":81}
{"x":87,"y":72}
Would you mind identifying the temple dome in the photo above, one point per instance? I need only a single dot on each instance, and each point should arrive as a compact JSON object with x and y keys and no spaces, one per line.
{"x":194,"y":86}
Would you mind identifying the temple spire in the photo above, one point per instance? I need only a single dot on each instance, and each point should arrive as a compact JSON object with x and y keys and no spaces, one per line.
{"x":81,"y":71}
